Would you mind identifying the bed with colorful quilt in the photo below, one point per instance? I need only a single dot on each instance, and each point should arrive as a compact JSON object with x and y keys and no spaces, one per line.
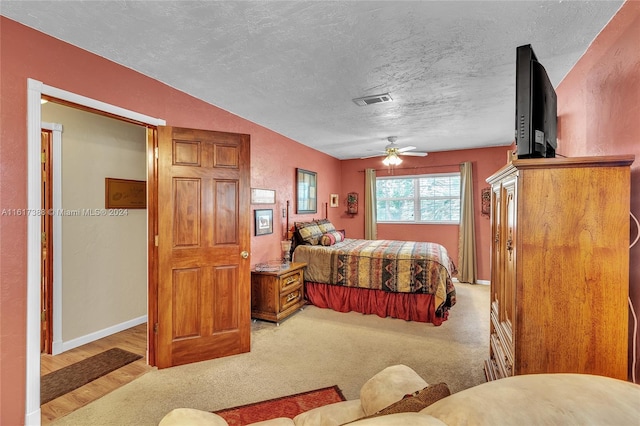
{"x":401,"y":279}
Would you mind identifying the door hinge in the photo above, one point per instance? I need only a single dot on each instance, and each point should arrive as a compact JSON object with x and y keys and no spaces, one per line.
{"x":156,"y":240}
{"x":155,"y":328}
{"x":43,"y":157}
{"x":155,"y":151}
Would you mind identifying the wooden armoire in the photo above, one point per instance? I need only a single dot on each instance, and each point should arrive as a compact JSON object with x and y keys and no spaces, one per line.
{"x":560,"y":267}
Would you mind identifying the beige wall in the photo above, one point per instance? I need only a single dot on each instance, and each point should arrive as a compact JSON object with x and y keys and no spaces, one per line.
{"x":104,"y":258}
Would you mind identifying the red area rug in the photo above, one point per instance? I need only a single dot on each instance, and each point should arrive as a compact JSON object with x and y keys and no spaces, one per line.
{"x":286,"y":406}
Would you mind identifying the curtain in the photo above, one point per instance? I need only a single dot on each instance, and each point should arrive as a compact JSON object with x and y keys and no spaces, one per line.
{"x":467,"y":269}
{"x":370,"y":217}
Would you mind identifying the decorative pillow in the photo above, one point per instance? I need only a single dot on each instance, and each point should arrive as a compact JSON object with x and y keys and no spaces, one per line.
{"x":325,"y":225}
{"x":328,"y":239}
{"x":413,"y":403}
{"x":389,"y":386}
{"x":337,"y":235}
{"x":309,"y":232}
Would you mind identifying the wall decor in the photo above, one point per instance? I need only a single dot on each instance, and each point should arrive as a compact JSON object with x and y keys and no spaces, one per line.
{"x":486,"y":201}
{"x":352,"y":203}
{"x":263,"y":196}
{"x":306,"y":196}
{"x":334,"y":200}
{"x":125,"y":194}
{"x":264,"y":221}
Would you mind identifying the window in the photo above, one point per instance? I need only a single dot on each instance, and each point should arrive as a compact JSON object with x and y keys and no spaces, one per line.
{"x":433,"y":198}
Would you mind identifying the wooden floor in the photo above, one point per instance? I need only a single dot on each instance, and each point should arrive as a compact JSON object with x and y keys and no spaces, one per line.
{"x":132,"y":340}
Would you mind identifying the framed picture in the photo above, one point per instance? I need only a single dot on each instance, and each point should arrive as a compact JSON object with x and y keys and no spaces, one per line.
{"x":263,"y":196}
{"x":125,"y":194}
{"x":264,"y":221}
{"x":333,"y":201}
{"x":306,"y":196}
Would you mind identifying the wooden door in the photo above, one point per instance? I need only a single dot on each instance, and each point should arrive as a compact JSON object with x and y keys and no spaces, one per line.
{"x":204,"y":288}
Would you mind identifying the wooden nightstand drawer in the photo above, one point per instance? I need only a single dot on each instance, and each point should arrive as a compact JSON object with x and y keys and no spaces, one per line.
{"x":291,"y":280}
{"x":291,"y":298}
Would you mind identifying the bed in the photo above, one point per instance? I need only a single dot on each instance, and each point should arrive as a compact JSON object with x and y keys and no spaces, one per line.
{"x":402,"y":279}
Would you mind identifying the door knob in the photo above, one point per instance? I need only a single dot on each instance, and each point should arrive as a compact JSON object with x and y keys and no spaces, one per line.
{"x":244,"y":254}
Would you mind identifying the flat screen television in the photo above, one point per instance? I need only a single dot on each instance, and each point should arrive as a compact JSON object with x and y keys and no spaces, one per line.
{"x":536,"y":107}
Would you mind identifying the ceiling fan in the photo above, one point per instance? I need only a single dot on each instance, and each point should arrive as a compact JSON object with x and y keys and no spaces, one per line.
{"x":392,"y":152}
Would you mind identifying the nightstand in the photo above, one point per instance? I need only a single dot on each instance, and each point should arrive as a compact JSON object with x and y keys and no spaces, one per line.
{"x":278,"y":294}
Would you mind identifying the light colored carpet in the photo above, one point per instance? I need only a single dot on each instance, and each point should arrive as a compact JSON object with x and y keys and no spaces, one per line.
{"x":312,"y":349}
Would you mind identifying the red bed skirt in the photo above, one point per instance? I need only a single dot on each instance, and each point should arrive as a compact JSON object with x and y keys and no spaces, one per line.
{"x":407,"y":306}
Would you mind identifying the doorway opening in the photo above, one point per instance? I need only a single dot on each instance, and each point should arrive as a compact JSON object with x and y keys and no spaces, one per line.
{"x":36,"y":91}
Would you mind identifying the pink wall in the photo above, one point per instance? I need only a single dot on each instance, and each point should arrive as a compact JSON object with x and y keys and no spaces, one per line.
{"x":29,"y":54}
{"x":599,"y":110}
{"x":484,"y":161}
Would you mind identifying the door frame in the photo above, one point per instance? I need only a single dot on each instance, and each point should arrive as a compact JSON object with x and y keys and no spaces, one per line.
{"x":35,"y":90}
{"x":56,"y":241}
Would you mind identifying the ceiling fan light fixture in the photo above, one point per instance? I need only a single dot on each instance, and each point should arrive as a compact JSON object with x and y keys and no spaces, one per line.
{"x":392,"y":159}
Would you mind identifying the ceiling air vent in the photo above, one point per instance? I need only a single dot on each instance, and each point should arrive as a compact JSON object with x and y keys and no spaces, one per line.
{"x":375,"y":99}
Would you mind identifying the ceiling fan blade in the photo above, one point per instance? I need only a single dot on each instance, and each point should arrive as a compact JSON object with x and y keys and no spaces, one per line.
{"x":373,"y":155}
{"x":406,"y":148}
{"x":416,"y":154}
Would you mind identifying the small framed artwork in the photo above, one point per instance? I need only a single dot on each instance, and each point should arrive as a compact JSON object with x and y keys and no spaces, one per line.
{"x":333,"y":201}
{"x":263,"y":196}
{"x":264,"y":221}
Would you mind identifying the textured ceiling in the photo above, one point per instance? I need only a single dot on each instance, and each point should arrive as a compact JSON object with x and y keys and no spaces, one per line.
{"x":295,"y":66}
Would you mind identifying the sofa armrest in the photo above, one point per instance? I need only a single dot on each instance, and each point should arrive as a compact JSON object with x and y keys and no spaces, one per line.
{"x":191,"y":417}
{"x":543,"y":399}
{"x":388,"y":386}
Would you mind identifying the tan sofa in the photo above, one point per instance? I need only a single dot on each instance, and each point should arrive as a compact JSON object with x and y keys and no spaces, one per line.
{"x":543,"y":399}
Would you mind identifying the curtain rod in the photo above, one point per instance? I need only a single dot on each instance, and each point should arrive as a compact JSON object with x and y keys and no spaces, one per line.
{"x":415,"y":167}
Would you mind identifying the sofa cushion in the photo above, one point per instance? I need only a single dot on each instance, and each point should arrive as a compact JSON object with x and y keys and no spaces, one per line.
{"x":543,"y":399}
{"x":331,"y":414}
{"x":279,"y":421}
{"x":404,"y":419}
{"x":388,"y":386}
{"x":191,"y":417}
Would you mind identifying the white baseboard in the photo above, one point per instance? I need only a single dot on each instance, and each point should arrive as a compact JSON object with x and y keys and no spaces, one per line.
{"x":88,"y":338}
{"x":483,"y":282}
